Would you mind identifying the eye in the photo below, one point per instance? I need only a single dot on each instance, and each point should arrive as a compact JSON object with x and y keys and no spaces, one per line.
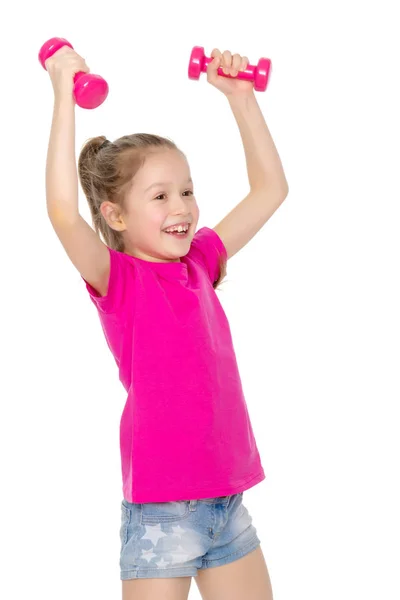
{"x":159,"y":197}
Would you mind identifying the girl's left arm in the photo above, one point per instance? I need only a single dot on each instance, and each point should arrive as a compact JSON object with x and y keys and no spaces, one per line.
{"x":268,"y":185}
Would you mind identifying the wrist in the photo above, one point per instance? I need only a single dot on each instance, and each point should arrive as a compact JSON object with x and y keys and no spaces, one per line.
{"x":64,"y":100}
{"x":241,"y":98}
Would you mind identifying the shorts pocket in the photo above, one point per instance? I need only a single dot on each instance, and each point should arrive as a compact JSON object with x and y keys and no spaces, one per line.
{"x":125,"y":520}
{"x":164,"y":512}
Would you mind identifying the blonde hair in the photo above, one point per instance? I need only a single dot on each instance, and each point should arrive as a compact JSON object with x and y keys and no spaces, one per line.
{"x":106,"y":171}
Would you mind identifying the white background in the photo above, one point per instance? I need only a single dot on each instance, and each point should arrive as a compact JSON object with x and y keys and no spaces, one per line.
{"x":313,"y":300}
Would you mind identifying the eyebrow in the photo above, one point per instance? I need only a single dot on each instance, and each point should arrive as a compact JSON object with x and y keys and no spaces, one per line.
{"x":162,"y":183}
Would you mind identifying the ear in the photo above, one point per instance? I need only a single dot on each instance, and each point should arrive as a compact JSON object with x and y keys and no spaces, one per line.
{"x":112,"y":214}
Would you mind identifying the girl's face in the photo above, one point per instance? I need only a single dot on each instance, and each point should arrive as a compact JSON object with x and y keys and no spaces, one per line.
{"x":162,"y":195}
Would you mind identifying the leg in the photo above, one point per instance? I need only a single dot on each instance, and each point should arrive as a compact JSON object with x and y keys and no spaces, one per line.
{"x":174,"y":588}
{"x":244,"y":579}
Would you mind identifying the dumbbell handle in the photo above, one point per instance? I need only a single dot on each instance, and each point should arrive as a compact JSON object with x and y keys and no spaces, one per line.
{"x":247,"y":74}
{"x":258,"y":75}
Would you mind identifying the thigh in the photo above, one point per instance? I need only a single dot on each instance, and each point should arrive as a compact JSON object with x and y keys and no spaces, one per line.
{"x":163,"y":540}
{"x":176,"y":588}
{"x":246,"y":577}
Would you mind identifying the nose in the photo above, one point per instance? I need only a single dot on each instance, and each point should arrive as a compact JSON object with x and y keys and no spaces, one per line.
{"x":178,"y":205}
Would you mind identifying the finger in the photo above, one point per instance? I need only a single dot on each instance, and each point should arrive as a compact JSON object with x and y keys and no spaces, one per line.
{"x":215,"y":63}
{"x":245,"y":62}
{"x":236,"y":62}
{"x":216,"y":52}
{"x":64,"y":50}
{"x":212,"y":69}
{"x":226,"y":62}
{"x":78,"y":63}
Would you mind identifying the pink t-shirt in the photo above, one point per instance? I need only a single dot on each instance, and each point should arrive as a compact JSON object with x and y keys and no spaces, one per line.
{"x":185,"y":431}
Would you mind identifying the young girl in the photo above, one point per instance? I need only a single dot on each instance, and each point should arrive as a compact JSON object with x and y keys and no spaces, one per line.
{"x":187,"y":446}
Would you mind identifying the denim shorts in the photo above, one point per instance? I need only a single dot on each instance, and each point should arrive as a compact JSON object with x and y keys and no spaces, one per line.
{"x":175,"y":539}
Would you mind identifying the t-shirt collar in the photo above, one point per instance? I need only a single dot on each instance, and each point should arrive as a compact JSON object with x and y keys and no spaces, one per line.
{"x":167,"y":270}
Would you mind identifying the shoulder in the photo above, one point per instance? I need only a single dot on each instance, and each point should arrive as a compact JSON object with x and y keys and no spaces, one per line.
{"x":208,"y":249}
{"x":121,"y":275}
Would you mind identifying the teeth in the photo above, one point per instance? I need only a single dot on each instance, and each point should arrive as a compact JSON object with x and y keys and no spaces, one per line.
{"x":179,"y":228}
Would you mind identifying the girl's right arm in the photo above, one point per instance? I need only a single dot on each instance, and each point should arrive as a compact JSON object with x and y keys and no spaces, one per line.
{"x":84,"y":247}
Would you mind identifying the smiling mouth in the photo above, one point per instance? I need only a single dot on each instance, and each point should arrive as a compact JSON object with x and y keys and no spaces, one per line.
{"x":180,"y":231}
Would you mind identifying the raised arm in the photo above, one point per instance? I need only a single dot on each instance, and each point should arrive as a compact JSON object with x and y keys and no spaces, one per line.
{"x":268,"y":185}
{"x":82,"y":244}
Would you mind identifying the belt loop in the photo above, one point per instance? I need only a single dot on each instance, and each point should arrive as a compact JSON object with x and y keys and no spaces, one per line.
{"x":192,"y":505}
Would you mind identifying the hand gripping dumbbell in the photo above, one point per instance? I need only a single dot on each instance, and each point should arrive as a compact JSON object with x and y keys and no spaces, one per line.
{"x":89,"y":90}
{"x":260,"y":74}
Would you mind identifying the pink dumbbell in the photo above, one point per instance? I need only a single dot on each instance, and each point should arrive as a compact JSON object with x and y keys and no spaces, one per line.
{"x":89,"y":90}
{"x":260,"y":74}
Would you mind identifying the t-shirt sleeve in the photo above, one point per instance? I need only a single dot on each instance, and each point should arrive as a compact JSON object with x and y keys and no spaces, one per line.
{"x":121,"y":274}
{"x":208,"y":249}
